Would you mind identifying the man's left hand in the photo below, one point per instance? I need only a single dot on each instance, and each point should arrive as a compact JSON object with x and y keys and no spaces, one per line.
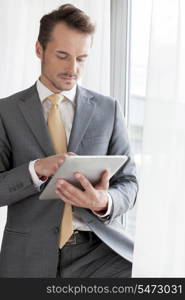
{"x":93,"y":197}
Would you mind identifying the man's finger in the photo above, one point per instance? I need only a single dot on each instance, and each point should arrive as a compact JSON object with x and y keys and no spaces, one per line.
{"x":61,"y":161}
{"x":85,"y":183}
{"x":64,"y":197}
{"x":71,"y":153}
{"x":71,"y":189}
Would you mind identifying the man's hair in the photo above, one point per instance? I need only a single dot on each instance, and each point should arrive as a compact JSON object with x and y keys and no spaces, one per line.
{"x":68,"y":14}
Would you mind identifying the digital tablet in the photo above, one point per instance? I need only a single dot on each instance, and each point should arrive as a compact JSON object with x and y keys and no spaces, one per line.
{"x":90,"y":166}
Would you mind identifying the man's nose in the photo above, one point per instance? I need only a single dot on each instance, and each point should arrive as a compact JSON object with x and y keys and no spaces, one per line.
{"x":72,"y":66}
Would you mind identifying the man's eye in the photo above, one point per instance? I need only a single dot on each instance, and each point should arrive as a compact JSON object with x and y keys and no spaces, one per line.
{"x":61,"y":57}
{"x":81,"y":59}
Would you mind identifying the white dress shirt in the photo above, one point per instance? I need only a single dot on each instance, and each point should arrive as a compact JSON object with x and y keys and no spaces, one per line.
{"x":67,"y":107}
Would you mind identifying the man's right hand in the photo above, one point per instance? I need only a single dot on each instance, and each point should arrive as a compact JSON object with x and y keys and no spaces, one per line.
{"x":46,"y":167}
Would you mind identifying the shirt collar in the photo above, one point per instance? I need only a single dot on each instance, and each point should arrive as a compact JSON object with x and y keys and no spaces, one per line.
{"x":44,"y":92}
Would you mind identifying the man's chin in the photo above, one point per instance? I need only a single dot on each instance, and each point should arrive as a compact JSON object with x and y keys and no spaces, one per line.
{"x":65,"y":86}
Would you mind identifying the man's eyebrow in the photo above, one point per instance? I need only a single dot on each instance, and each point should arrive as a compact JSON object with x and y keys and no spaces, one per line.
{"x":83,"y":55}
{"x":63,"y":52}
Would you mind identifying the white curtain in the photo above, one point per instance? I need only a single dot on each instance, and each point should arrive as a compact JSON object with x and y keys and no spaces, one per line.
{"x":120,"y":13}
{"x":160,"y":229}
{"x":20,"y":68}
{"x":19,"y":26}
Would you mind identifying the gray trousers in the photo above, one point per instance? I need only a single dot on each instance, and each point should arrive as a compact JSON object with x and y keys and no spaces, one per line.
{"x":89,"y":257}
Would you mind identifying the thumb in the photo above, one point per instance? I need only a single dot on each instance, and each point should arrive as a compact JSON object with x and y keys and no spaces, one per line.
{"x":104,"y":181}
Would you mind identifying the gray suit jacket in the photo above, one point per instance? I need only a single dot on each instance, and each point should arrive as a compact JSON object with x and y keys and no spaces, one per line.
{"x":29,"y":246}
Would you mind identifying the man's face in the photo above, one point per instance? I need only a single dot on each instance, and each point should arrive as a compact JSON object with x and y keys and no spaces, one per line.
{"x":63,"y":60}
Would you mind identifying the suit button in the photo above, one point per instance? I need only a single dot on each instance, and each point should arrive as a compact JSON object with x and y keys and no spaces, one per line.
{"x":56,"y":230}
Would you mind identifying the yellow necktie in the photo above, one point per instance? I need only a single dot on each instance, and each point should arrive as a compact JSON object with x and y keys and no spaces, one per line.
{"x":58,"y":137}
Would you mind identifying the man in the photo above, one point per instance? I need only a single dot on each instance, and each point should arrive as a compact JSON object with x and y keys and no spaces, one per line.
{"x":90,"y":124}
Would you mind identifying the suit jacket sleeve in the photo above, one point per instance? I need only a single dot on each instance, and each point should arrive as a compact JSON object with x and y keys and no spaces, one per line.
{"x":123,"y":185}
{"x":15,"y":183}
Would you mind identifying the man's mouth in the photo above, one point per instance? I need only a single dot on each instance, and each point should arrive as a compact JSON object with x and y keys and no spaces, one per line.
{"x":68,"y":77}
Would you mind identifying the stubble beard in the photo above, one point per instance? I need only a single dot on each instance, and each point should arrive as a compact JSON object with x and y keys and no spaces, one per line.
{"x":51,"y":83}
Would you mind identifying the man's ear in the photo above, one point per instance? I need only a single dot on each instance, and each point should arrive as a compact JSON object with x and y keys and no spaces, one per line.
{"x":39,"y":50}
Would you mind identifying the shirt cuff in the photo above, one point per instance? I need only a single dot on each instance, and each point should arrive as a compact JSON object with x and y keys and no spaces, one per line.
{"x":36,"y":181}
{"x":108,"y":209}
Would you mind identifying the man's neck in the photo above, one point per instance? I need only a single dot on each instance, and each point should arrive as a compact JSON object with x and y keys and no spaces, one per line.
{"x":49,"y":86}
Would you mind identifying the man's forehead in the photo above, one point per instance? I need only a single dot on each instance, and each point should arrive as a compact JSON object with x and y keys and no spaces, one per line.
{"x":69,"y":45}
{"x":65,"y":31}
{"x":66,"y":53}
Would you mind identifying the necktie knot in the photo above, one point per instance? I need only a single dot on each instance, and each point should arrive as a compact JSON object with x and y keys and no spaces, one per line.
{"x":55,"y":99}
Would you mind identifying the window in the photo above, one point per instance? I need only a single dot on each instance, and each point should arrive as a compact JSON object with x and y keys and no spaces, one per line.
{"x":140,"y":31}
{"x":138,"y":41}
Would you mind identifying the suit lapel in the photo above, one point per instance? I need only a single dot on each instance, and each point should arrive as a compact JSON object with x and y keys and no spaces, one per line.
{"x":84,"y":111}
{"x":31,"y":109}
